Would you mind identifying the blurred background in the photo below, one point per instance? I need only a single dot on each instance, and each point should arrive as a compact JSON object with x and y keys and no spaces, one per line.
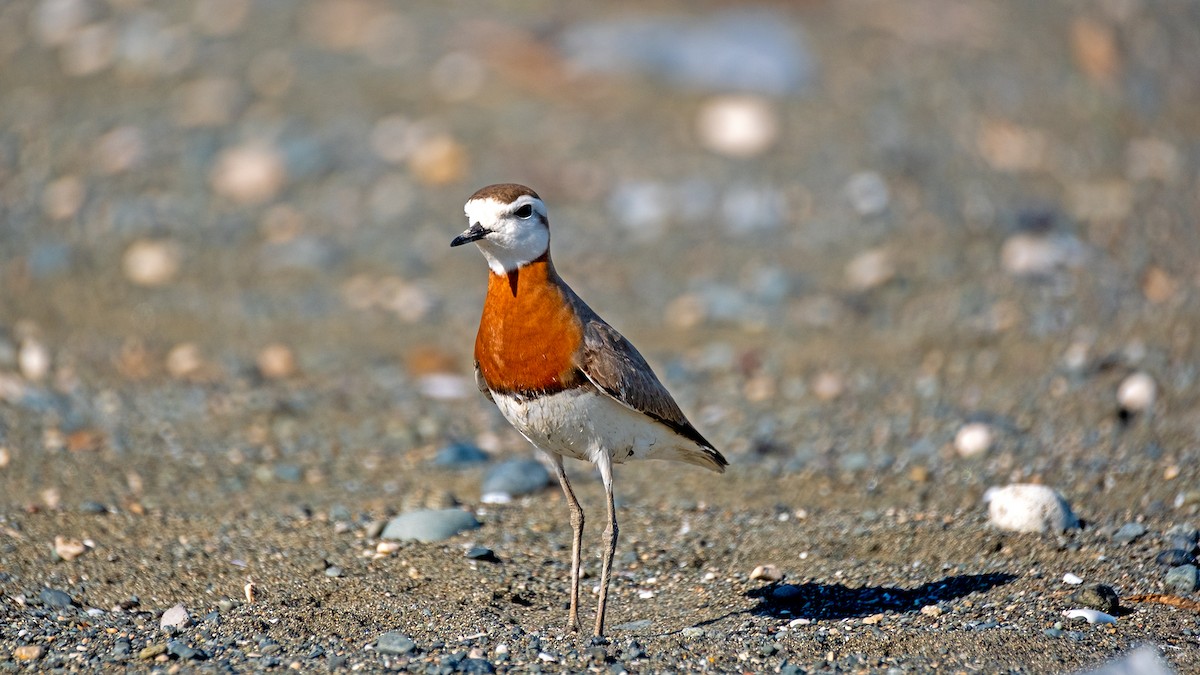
{"x":841,"y":231}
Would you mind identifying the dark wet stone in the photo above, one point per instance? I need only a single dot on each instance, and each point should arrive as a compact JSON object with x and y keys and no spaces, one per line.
{"x":1097,"y":596}
{"x":482,"y":553}
{"x":181,"y":650}
{"x":476,"y":667}
{"x":94,"y":508}
{"x":1175,"y":557}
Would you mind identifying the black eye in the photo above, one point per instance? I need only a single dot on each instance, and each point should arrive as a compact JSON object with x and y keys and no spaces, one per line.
{"x":524,"y":211}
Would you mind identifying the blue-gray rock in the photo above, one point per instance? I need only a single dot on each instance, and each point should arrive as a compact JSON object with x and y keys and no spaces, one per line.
{"x":1174,"y":557}
{"x":428,"y":525}
{"x":181,"y":650}
{"x":786,"y":592}
{"x":514,"y":478}
{"x":288,"y":473}
{"x":476,"y":667}
{"x":1183,"y":579}
{"x":52,"y":597}
{"x":395,"y":643}
{"x":739,"y":50}
{"x":482,"y":553}
{"x":457,"y":455}
{"x":640,"y":624}
{"x":1129,"y":533}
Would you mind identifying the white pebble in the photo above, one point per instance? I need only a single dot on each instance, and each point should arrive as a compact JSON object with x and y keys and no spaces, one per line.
{"x":33,"y":360}
{"x":1091,"y":615}
{"x":176,"y":617}
{"x":68,"y":549}
{"x":973,"y":439}
{"x":184,"y":360}
{"x":276,"y":361}
{"x":766,"y":573}
{"x":1072,"y":579}
{"x":1029,"y":508}
{"x":737,"y":126}
{"x":1036,"y":255}
{"x":5,"y":456}
{"x":1137,"y":392}
{"x":151,"y":262}
{"x":251,"y":173}
{"x":870,"y":269}
{"x":868,"y":193}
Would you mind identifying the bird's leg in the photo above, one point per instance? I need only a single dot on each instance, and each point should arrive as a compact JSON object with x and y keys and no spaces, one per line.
{"x":610,"y":539}
{"x":576,"y":539}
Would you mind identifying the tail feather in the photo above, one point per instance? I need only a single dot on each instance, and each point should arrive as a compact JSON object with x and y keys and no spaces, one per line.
{"x":698,"y":455}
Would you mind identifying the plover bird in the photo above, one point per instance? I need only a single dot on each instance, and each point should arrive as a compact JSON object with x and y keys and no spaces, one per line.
{"x":569,"y":382}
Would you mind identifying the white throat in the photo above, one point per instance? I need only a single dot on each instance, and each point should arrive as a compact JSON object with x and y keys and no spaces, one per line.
{"x":512,"y":242}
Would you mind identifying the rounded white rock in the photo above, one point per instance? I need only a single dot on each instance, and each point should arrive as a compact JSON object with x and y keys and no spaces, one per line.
{"x":973,"y":439}
{"x":1027,"y":507}
{"x":1137,"y":392}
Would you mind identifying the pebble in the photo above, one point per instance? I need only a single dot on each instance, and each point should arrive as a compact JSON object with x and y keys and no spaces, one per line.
{"x":175,"y":617}
{"x":973,"y":439}
{"x":68,"y":549}
{"x":482,"y":553}
{"x":395,"y":643}
{"x":181,"y":650}
{"x":693,"y":632}
{"x":333,"y":571}
{"x":120,"y":150}
{"x":828,"y":386}
{"x":28,"y":652}
{"x":1137,"y":392}
{"x":1072,"y":579}
{"x":514,"y":478}
{"x":63,"y":197}
{"x":1182,"y":579}
{"x":1099,"y":597}
{"x":151,"y":651}
{"x":786,"y":592}
{"x":459,"y":455}
{"x":152,"y":262}
{"x":52,"y":597}
{"x":868,"y":193}
{"x":207,"y":102}
{"x":766,"y":573}
{"x":184,"y":360}
{"x":737,"y":126}
{"x":249,"y":174}
{"x":870,"y":269}
{"x":1129,"y":533}
{"x":276,"y":361}
{"x":429,"y":525}
{"x":1090,"y":615}
{"x":1175,"y":557}
{"x":1036,"y":255}
{"x":1029,"y":508}
{"x":33,"y":360}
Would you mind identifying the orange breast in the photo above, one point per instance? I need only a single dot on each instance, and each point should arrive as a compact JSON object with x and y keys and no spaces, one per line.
{"x":528,"y":336}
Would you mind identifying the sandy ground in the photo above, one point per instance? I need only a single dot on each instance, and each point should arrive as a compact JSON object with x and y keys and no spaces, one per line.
{"x":958,"y":212}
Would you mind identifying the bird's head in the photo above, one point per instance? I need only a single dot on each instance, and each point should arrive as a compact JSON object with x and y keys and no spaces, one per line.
{"x":509,"y":225}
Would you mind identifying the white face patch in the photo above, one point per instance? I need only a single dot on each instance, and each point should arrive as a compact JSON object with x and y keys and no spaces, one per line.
{"x":518,"y":232}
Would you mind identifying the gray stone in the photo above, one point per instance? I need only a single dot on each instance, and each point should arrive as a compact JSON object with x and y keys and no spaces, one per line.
{"x":396,"y":643}
{"x":1183,"y":579}
{"x":457,"y":455}
{"x":514,"y":478}
{"x":1129,"y":533}
{"x":181,"y":650}
{"x":428,"y":526}
{"x":52,"y":597}
{"x":1097,"y":596}
{"x":476,"y":667}
{"x":693,"y":632}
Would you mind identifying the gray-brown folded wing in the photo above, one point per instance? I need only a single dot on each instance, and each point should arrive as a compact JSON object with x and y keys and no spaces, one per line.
{"x":483,"y":388}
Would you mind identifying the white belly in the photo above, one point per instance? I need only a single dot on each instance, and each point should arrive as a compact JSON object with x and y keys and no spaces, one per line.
{"x":582,"y":423}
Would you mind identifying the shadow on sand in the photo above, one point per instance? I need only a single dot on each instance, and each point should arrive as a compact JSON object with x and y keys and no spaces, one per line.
{"x":835,"y":601}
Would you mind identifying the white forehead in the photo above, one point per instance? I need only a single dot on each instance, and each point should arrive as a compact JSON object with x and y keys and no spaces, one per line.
{"x":489,"y":210}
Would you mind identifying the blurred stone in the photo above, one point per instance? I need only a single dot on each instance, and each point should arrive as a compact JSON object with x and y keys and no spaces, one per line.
{"x":63,"y":197}
{"x":152,"y":262}
{"x":68,"y":549}
{"x":643,"y":208}
{"x":748,"y":209}
{"x":429,"y":526}
{"x":89,"y":50}
{"x":1094,"y":46}
{"x":393,"y":138}
{"x":1129,"y":533}
{"x":973,"y":439}
{"x":54,"y":22}
{"x":33,"y":360}
{"x":220,"y":18}
{"x":175,"y":617}
{"x":457,"y":77}
{"x":120,"y":150}
{"x":513,"y":478}
{"x":1026,"y":254}
{"x":391,"y":40}
{"x":685,"y":311}
{"x":1183,"y":579}
{"x":828,"y":386}
{"x":206,"y":102}
{"x":28,"y":652}
{"x":868,"y":193}
{"x":276,"y":362}
{"x":1104,"y":201}
{"x":251,"y":173}
{"x":338,"y":25}
{"x":1011,"y":148}
{"x":459,"y":455}
{"x":737,"y":126}
{"x":438,"y":160}
{"x":1143,"y":660}
{"x":1152,"y":159}
{"x":5,"y":457}
{"x":391,"y":196}
{"x":1029,"y":508}
{"x":746,"y":50}
{"x":870,"y":269}
{"x":147,"y":46}
{"x":445,"y":386}
{"x":1157,"y":285}
{"x":1137,"y":392}
{"x":184,"y":360}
